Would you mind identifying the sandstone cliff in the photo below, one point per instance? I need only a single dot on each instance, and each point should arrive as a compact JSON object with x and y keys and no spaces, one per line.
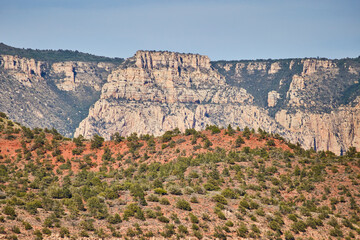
{"x":158,"y":91}
{"x":311,"y":101}
{"x":304,"y":100}
{"x":314,"y":99}
{"x":50,"y":94}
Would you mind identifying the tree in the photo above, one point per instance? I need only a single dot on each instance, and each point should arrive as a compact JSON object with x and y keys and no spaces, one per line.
{"x":246,"y":133}
{"x":239,"y":141}
{"x":79,"y":141}
{"x":230,"y":130}
{"x":97,"y":141}
{"x":116,"y":137}
{"x":351,"y":152}
{"x":97,"y":208}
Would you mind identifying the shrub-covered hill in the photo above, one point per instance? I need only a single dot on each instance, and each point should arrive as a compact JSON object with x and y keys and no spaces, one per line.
{"x":55,"y":55}
{"x":217,"y":183}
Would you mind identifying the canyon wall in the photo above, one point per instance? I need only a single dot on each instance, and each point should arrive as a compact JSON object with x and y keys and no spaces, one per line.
{"x":301,"y":99}
{"x":311,"y":101}
{"x":50,"y":94}
{"x":315,"y":100}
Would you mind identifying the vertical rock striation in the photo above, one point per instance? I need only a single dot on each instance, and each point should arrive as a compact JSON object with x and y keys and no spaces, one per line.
{"x":50,"y":94}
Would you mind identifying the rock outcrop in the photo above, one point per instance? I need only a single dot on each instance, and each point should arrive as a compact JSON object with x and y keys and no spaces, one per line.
{"x":335,"y":131}
{"x":23,"y":69}
{"x":153,"y":92}
{"x":314,"y":99}
{"x":273,"y":98}
{"x":157,"y":91}
{"x":50,"y":94}
{"x":311,"y":101}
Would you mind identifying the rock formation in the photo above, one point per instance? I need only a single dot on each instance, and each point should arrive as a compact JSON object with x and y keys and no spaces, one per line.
{"x":153,"y":92}
{"x":50,"y":94}
{"x":157,"y":91}
{"x":310,"y":101}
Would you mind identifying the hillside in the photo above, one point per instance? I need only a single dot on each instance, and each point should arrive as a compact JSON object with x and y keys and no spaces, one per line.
{"x":55,"y":55}
{"x":313,"y":101}
{"x":303,"y":100}
{"x":215,"y":183}
{"x":51,"y":88}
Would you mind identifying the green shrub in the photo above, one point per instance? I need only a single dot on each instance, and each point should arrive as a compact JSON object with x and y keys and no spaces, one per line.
{"x":153,"y":198}
{"x":336,"y":232}
{"x":206,"y":217}
{"x":220,"y":199}
{"x":211,"y":187}
{"x":115,"y":219}
{"x":193,"y":218}
{"x":46,"y":231}
{"x":167,"y":136}
{"x":15,"y":229}
{"x":183,"y":204}
{"x":229,"y":193}
{"x":10,"y":211}
{"x":168,"y":231}
{"x":97,"y":141}
{"x":27,"y":226}
{"x":292,"y":217}
{"x":175,"y":190}
{"x":64,"y":232}
{"x":229,"y":223}
{"x":183,"y":229}
{"x":299,"y":226}
{"x":116,"y":137}
{"x":160,"y":191}
{"x":163,"y":219}
{"x":289,"y":236}
{"x":190,"y":131}
{"x":254,"y":228}
{"x":193,"y":199}
{"x":242,"y":231}
{"x":220,"y":214}
{"x":214,"y":129}
{"x":273,"y":225}
{"x":164,"y":201}
{"x":239,"y":141}
{"x":244,"y":203}
{"x":270,"y":143}
{"x":150,"y":213}
{"x":198,"y":234}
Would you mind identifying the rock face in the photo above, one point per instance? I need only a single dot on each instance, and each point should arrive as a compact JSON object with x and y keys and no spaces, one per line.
{"x":315,"y":100}
{"x":334,"y":131}
{"x":50,"y":94}
{"x":24,"y":70}
{"x":273,"y":98}
{"x":304,"y":100}
{"x":158,"y":91}
{"x":311,"y":101}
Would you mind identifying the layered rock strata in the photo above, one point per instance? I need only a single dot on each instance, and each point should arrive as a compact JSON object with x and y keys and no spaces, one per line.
{"x":157,"y":91}
{"x":50,"y":94}
{"x":309,"y":101}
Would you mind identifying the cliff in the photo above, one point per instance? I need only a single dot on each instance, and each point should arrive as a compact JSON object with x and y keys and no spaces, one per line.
{"x":50,"y":94}
{"x":304,"y":100}
{"x":311,"y":101}
{"x":316,"y":100}
{"x":157,"y":91}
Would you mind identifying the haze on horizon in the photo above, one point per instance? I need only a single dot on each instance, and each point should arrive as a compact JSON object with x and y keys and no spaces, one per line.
{"x":223,"y":30}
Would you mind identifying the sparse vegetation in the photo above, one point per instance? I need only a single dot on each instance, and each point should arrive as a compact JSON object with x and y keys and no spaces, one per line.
{"x":219,"y":191}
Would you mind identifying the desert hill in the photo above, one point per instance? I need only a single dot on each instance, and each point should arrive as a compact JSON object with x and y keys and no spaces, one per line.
{"x":214,"y":183}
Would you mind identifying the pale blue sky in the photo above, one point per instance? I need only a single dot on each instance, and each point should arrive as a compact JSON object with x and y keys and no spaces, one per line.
{"x":227,"y":29}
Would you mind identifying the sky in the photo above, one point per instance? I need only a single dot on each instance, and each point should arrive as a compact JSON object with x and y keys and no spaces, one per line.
{"x":222,"y":30}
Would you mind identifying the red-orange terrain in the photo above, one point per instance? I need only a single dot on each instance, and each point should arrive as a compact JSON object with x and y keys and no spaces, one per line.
{"x":211,"y":184}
